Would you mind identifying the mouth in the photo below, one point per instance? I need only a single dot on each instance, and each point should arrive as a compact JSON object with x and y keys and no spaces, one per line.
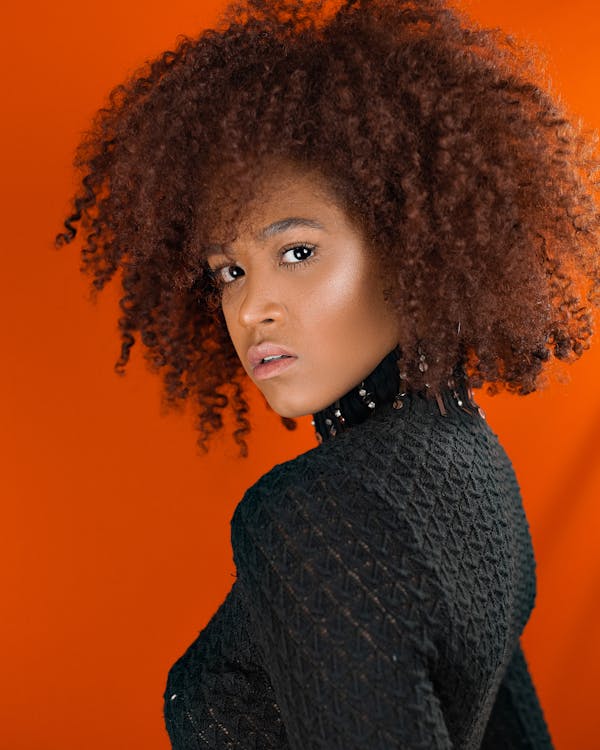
{"x":273,"y":366}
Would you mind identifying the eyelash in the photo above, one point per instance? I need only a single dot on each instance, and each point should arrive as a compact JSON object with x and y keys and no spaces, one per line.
{"x":215,"y":273}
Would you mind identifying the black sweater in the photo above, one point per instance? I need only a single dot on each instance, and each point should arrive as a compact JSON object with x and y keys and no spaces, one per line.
{"x":383,"y":580}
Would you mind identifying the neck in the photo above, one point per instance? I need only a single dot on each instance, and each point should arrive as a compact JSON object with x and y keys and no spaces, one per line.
{"x":384,"y":389}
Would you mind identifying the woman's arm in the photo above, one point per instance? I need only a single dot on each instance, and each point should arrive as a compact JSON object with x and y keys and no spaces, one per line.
{"x":336,"y":605}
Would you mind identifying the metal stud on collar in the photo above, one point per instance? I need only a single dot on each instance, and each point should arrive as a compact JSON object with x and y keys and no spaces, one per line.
{"x":366,"y":397}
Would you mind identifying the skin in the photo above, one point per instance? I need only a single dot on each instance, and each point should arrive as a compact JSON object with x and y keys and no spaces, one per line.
{"x":324,"y":301}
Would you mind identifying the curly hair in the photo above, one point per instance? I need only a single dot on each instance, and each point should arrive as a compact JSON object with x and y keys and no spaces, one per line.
{"x":474,"y":188}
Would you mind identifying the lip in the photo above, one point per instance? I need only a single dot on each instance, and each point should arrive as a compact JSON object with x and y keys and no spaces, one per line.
{"x":266,"y":349}
{"x":275,"y":367}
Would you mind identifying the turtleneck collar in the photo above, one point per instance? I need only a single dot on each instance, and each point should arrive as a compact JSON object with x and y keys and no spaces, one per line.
{"x":382,"y":389}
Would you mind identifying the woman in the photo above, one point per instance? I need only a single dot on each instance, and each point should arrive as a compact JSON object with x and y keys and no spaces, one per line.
{"x":437,"y":208}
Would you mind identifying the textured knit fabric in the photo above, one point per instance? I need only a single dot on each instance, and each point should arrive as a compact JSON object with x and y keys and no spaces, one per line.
{"x":383,"y":580}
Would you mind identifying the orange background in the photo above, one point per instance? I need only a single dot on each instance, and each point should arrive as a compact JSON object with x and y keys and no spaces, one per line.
{"x":115,"y":533}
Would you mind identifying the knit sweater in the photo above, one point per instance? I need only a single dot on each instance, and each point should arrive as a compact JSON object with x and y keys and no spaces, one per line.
{"x":384,"y":578}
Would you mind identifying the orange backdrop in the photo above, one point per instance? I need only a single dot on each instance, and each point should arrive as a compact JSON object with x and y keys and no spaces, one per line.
{"x":116,"y":547}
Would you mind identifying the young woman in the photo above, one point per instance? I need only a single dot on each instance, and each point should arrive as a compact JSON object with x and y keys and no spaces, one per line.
{"x":363,"y":210}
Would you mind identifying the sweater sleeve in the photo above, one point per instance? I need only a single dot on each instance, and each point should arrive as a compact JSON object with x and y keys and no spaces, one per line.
{"x":337,"y":605}
{"x":517,"y":720}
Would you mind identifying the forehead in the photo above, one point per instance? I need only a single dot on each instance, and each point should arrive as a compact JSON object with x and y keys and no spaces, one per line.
{"x":284,"y":197}
{"x":289,"y":192}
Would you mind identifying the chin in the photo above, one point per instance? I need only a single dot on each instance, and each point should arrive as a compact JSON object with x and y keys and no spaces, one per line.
{"x":289,"y":410}
{"x":291,"y":413}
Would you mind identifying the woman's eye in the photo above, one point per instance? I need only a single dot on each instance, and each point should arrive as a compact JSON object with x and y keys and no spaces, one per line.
{"x":217,"y":274}
{"x":299,"y":254}
{"x":301,"y":250}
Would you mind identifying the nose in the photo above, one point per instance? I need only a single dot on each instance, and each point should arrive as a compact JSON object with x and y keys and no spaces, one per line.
{"x":261,"y":302}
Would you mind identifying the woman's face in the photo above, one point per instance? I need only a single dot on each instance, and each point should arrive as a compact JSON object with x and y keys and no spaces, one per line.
{"x":308,"y":285}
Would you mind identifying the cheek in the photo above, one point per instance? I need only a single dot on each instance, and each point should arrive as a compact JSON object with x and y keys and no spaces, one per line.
{"x":349,"y":302}
{"x":338,"y":291}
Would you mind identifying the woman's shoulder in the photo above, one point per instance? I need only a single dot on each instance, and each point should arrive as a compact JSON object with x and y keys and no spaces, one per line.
{"x":302,"y":516}
{"x":405,"y":441}
{"x":392,"y":472}
{"x":432,"y":500}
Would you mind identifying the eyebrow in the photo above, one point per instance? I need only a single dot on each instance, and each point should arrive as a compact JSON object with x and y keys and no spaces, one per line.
{"x":281,"y":225}
{"x":284,"y":224}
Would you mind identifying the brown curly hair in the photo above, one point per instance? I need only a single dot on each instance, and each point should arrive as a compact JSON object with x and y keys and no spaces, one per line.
{"x":474,"y":188}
